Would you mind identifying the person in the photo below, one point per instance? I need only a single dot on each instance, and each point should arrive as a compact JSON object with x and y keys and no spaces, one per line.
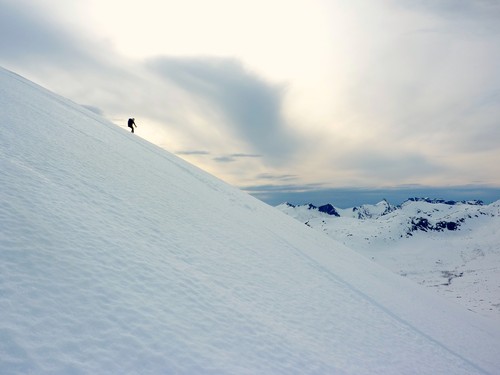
{"x":131,"y":124}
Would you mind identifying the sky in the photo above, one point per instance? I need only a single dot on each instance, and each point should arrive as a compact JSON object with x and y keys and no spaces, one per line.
{"x":288,"y":100}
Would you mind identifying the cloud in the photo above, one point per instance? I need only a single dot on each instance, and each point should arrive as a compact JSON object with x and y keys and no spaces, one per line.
{"x":382,"y":165}
{"x":276,"y":177}
{"x":29,"y":36}
{"x":234,"y":157}
{"x":193,"y":152}
{"x":246,"y":155}
{"x":484,"y":10}
{"x":249,"y":107}
{"x":24,"y":34}
{"x":224,"y":159}
{"x":431,"y":99}
{"x":282,"y":188}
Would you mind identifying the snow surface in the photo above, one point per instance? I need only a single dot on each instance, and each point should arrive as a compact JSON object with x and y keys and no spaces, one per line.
{"x":462,"y":264}
{"x":118,"y":257}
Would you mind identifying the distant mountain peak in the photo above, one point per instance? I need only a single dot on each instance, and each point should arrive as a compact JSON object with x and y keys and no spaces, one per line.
{"x":416,"y":214}
{"x":329,"y":210}
{"x":475,"y":202}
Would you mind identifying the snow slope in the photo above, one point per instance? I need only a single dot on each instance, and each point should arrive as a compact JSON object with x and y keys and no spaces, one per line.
{"x":451,"y":247}
{"x":118,"y":257}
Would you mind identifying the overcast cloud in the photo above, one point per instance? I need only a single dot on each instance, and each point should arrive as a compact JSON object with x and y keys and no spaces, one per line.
{"x":324,"y":94}
{"x":247,"y":107}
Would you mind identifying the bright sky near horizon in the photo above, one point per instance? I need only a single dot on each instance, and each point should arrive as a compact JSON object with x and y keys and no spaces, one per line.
{"x":277,"y":95}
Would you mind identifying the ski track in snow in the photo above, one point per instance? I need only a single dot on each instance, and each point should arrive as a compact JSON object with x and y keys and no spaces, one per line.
{"x":118,"y":257}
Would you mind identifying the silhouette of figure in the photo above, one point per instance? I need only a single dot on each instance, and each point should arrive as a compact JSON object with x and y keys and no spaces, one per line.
{"x":131,"y":124}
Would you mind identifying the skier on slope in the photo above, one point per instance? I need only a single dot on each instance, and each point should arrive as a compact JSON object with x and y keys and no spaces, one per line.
{"x":131,"y":124}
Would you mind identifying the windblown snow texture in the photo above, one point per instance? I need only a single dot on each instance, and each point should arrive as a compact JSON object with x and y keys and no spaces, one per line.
{"x":118,"y":257}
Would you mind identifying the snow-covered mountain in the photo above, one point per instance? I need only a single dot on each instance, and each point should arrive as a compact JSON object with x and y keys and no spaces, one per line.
{"x":107,"y":265}
{"x":416,"y":214}
{"x":452,"y":247}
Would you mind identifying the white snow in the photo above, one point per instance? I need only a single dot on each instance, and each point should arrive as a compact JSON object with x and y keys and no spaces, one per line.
{"x":118,"y":257}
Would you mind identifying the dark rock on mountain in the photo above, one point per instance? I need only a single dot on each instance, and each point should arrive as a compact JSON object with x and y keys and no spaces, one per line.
{"x":328,"y":209}
{"x":424,"y":225}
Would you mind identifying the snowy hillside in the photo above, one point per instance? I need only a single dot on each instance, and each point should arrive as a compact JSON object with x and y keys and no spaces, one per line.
{"x":451,"y":247}
{"x":118,"y":257}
